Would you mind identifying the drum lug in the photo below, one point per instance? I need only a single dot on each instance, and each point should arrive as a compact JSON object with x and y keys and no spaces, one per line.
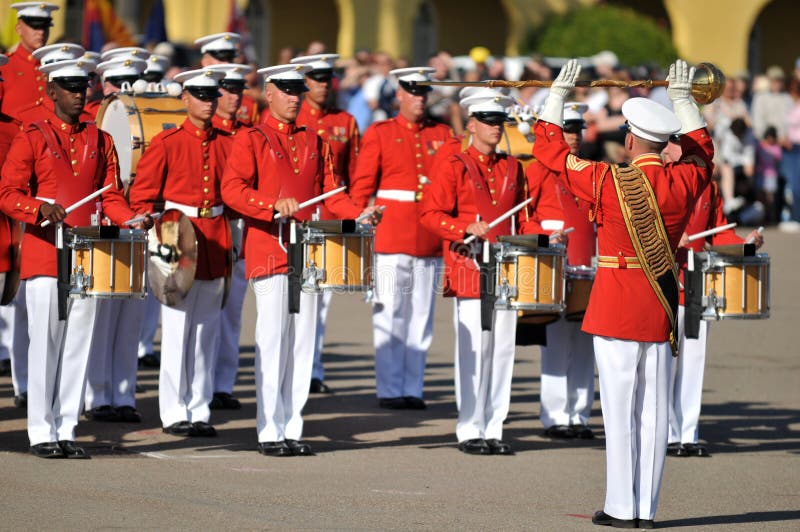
{"x":312,"y":277}
{"x":712,"y":302}
{"x":80,"y":282}
{"x":136,"y":142}
{"x":504,"y":293}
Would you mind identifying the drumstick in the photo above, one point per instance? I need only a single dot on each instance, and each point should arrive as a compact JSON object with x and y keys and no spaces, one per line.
{"x":710,"y":232}
{"x":314,"y":200}
{"x":137,"y":219}
{"x":566,"y":231}
{"x":368,"y":214}
{"x":501,"y":218}
{"x":752,"y":239}
{"x":79,"y":203}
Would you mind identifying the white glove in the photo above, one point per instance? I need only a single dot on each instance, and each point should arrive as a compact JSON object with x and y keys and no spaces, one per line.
{"x":553,"y":111}
{"x":680,"y":92}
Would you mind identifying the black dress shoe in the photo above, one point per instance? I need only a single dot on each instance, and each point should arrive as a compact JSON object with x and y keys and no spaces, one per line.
{"x":561,"y":432}
{"x":499,"y":447}
{"x":394,"y":403}
{"x":582,"y":432}
{"x":181,"y":428}
{"x":414,"y":403}
{"x":128,"y":414}
{"x":102,"y":413}
{"x":317,"y":386}
{"x":274,"y":448}
{"x":224,"y":401}
{"x":647,"y":524}
{"x":299,"y":448}
{"x":21,"y":401}
{"x":203,"y":429}
{"x":694,"y":449}
{"x":474,"y":446}
{"x":5,"y":368}
{"x":73,"y":451}
{"x":49,"y":449}
{"x":148,"y":361}
{"x":682,"y":451}
{"x":674,"y":448}
{"x":603,"y":519}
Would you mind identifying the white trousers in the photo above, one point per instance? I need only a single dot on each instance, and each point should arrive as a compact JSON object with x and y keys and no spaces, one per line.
{"x":113,"y":360}
{"x":318,"y":372}
{"x":188,"y":342}
{"x":149,"y":324}
{"x":57,"y":360}
{"x":402,"y":320}
{"x":230,"y":327}
{"x":686,"y":388}
{"x":567,"y":375}
{"x":484,"y":365}
{"x":634,"y":377}
{"x":14,"y":339}
{"x":284,"y":357}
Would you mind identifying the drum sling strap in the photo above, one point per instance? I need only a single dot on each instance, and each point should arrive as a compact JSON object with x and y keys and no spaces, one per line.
{"x":648,"y":235}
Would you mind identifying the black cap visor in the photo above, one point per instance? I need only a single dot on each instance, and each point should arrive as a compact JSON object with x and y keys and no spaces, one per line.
{"x":206,"y":94}
{"x":72,"y":84}
{"x":223,"y":55}
{"x":491,"y":118}
{"x":37,"y":23}
{"x":411,"y":87}
{"x":290,"y":86}
{"x":236,"y":86}
{"x":117,"y":81}
{"x":574,"y":126}
{"x":322,"y":75}
{"x":152,"y":76}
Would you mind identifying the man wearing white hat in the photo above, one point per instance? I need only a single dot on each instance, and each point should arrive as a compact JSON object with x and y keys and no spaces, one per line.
{"x":59,"y":350}
{"x":226,"y":364}
{"x":339,"y":129}
{"x":641,"y":211}
{"x":271,"y":169}
{"x":34,"y":20}
{"x":394,"y":161}
{"x":183,"y":166}
{"x":468,"y":190}
{"x":127,"y":52}
{"x":568,"y":356}
{"x":157,"y":66}
{"x":120,"y":73}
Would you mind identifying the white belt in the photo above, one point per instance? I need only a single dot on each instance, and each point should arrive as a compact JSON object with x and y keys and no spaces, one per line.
{"x":195,"y":212}
{"x":397,"y":195}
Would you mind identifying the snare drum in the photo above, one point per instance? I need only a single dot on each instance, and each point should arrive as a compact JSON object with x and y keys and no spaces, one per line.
{"x":338,"y":261}
{"x":109,"y":267}
{"x":531,"y":281}
{"x":132,"y":121}
{"x":579,"y":286}
{"x":735,"y":288}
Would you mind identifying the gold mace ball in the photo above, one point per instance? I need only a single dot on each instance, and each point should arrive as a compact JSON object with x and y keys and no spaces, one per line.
{"x":708,"y":83}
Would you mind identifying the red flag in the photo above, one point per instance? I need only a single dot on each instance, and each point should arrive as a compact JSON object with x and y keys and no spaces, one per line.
{"x":101,"y":25}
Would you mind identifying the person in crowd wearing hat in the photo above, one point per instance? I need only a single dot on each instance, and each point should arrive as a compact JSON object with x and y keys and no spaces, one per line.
{"x":467,"y":191}
{"x":339,"y":129}
{"x":641,"y":210}
{"x":120,"y":72}
{"x":568,"y":356}
{"x":223,"y":48}
{"x":34,"y":20}
{"x":157,"y":66}
{"x":394,"y":162}
{"x":59,"y":350}
{"x":226,"y":364}
{"x":771,"y":108}
{"x":271,"y":169}
{"x":183,"y":166}
{"x":47,"y":55}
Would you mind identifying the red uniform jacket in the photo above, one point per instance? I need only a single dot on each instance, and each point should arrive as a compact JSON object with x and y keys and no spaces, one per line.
{"x":84,"y":161}
{"x":46,"y":111}
{"x":185,"y":165}
{"x":557,"y":203}
{"x":25,"y":86}
{"x":9,"y":128}
{"x":468,"y":185}
{"x":270,"y":162}
{"x":248,"y":111}
{"x":396,"y":155}
{"x":622,"y":303}
{"x":92,"y":107}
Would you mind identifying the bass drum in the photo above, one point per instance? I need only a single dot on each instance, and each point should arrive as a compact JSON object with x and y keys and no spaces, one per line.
{"x":513,"y":143}
{"x":133,"y":121}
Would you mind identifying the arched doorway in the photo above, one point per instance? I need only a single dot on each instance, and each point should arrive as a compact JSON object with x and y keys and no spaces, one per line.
{"x":771,"y":37}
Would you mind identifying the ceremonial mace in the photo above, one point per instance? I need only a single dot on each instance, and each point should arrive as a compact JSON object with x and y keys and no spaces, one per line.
{"x":707,"y":83}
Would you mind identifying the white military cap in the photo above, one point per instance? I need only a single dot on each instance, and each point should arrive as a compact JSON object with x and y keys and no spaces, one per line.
{"x":157,"y":63}
{"x":92,"y":56}
{"x":218,"y":42}
{"x":203,"y":78}
{"x":121,"y":67}
{"x":650,"y":120}
{"x":286,"y":77}
{"x":317,"y":61}
{"x":232,"y":71}
{"x":488,"y":105}
{"x":574,"y":111}
{"x":408,"y":76}
{"x":58,"y":52}
{"x":34,"y":9}
{"x":73,"y":68}
{"x":127,"y":52}
{"x":468,"y":92}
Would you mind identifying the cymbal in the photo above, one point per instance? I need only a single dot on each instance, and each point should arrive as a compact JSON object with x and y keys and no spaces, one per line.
{"x":173,"y":257}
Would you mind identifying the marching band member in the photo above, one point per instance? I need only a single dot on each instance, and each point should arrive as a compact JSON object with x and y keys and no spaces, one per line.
{"x":183,"y":166}
{"x":223,"y":48}
{"x":157,"y":66}
{"x":274,"y":167}
{"x":567,"y":374}
{"x":226,"y":364}
{"x":46,"y":55}
{"x":641,"y":211}
{"x":339,"y":129}
{"x":478,"y":184}
{"x":58,"y":355}
{"x":394,"y":161}
{"x":119,"y":71}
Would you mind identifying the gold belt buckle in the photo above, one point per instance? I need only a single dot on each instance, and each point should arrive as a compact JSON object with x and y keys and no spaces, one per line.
{"x":204,"y":212}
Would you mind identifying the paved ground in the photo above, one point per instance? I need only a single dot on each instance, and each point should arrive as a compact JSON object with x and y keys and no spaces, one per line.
{"x":384,"y":470}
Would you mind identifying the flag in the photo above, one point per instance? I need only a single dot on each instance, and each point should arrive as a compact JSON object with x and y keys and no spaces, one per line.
{"x":155,"y":30}
{"x":101,"y":25}
{"x":237,"y":23}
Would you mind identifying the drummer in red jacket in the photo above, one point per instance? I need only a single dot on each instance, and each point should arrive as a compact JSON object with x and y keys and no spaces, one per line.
{"x":394,"y":161}
{"x":59,"y":350}
{"x":641,"y":211}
